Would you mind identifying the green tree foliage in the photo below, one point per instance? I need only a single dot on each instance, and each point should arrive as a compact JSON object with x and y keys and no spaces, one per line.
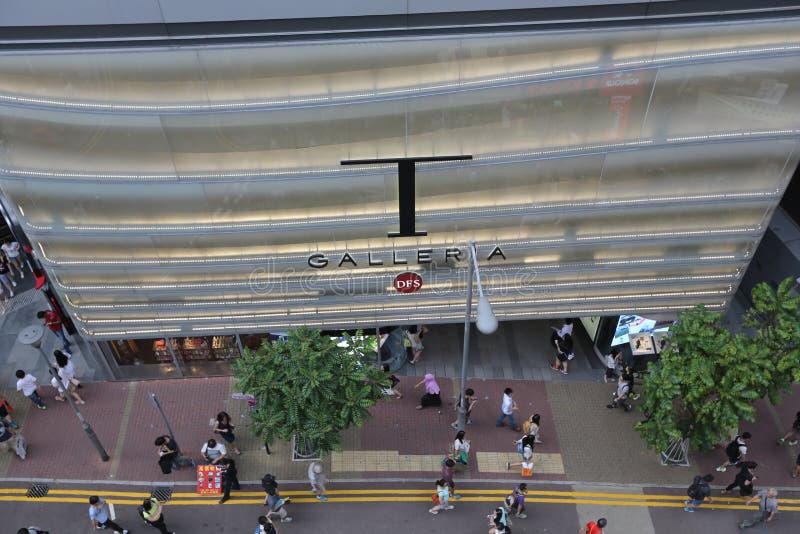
{"x":309,"y":387}
{"x":775,"y":318}
{"x":704,"y":382}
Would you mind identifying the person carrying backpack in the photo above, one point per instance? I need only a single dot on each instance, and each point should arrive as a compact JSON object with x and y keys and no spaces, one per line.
{"x":274,"y":503}
{"x":594,"y":527}
{"x":516,"y":501}
{"x":735,"y":451}
{"x":698,"y":493}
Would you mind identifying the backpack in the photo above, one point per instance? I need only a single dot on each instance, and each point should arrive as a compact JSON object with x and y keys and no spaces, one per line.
{"x":694,"y":490}
{"x":510,"y":500}
{"x":269,"y":483}
{"x":732,"y":450}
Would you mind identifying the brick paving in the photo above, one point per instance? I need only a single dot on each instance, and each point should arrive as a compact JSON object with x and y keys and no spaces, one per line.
{"x":583,"y":440}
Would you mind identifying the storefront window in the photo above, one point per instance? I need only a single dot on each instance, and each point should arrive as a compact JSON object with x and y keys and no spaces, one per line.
{"x":253,"y":341}
{"x":141,"y":358}
{"x":203,"y":356}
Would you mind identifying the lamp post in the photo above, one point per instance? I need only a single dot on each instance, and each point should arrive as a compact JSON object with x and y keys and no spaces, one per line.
{"x":32,"y":336}
{"x":485,"y":321}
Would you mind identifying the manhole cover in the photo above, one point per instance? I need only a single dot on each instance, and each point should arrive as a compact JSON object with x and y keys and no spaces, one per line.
{"x":161,"y":494}
{"x":37,"y":491}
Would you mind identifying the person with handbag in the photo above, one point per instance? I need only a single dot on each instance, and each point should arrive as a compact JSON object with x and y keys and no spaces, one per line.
{"x":99,"y":516}
{"x":461,"y":449}
{"x":5,"y":412}
{"x":223,"y":427}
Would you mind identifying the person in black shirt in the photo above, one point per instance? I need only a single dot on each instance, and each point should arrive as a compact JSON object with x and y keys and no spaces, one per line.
{"x":230,"y":479}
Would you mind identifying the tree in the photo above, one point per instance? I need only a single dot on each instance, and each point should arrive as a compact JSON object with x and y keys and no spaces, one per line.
{"x":775,"y":317}
{"x":309,"y":388}
{"x":705,"y":382}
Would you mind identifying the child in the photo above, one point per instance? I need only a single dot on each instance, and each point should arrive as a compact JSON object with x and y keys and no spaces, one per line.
{"x":471,"y":400}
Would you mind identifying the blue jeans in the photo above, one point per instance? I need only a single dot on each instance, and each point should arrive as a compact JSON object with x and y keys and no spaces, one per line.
{"x":510,"y":420}
{"x":36,"y":399}
{"x":60,"y":335}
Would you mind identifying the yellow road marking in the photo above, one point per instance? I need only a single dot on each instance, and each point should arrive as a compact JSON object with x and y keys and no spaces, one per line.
{"x":365,"y":499}
{"x":397,"y":492}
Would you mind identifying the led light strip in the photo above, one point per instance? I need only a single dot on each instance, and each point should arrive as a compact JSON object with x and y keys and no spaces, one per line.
{"x":508,"y":244}
{"x":427,"y":305}
{"x":355,"y":220}
{"x":490,"y":283}
{"x":416,"y":316}
{"x":489,"y":82}
{"x":350,"y":273}
{"x":333,"y":172}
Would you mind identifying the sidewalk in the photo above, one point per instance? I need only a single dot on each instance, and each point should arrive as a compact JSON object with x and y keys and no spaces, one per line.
{"x":583,"y":440}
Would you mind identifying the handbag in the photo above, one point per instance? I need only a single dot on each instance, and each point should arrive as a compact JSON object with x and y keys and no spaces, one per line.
{"x":527,"y":469}
{"x":21,"y":446}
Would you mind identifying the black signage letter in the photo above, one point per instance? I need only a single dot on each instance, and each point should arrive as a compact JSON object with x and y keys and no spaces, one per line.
{"x":496,"y":252}
{"x":317,"y":261}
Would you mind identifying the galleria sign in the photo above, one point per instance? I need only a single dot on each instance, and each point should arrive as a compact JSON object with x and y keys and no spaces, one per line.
{"x":423,"y":256}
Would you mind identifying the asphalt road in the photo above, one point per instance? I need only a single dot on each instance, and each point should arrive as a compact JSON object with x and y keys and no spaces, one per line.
{"x":389,"y":509}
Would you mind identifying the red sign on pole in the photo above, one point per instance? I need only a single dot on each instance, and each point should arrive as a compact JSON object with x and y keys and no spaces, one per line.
{"x":407,"y":282}
{"x":209,"y":480}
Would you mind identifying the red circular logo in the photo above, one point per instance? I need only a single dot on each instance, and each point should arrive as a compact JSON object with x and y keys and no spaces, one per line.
{"x":407,"y":282}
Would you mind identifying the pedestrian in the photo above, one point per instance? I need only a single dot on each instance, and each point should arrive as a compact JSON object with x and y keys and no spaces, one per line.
{"x":442,"y":498}
{"x":507,"y":409}
{"x":498,"y":518}
{"x":564,"y":354}
{"x":531,"y":427}
{"x":594,"y":527}
{"x":735,"y":451}
{"x":743,"y":480}
{"x":6,"y":435}
{"x":213,"y":452}
{"x":460,"y":449}
{"x":767,"y":508}
{"x":698,"y":492}
{"x":65,"y":368}
{"x":11,"y":251}
{"x":52,"y":320}
{"x":230,"y":478}
{"x":26,"y":383}
{"x":265,"y":526}
{"x":516,"y":501}
{"x":392,"y":390}
{"x":629,"y":375}
{"x":414,"y":333}
{"x":525,"y":448}
{"x":613,"y":361}
{"x":152,"y":512}
{"x":620,"y":398}
{"x":793,"y":434}
{"x":5,"y":412}
{"x":499,"y":528}
{"x":448,"y":470}
{"x":431,"y":396}
{"x":7,"y":276}
{"x":32,"y":530}
{"x":316,"y":477}
{"x":469,"y":395}
{"x":276,"y":505}
{"x":62,"y":388}
{"x":224,"y":428}
{"x":169,"y":455}
{"x":98,"y":515}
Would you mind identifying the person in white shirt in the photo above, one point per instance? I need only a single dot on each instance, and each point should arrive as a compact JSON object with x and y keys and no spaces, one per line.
{"x":213,"y":452}
{"x":62,"y":386}
{"x":317,"y":480}
{"x":565,"y":329}
{"x":26,"y":383}
{"x":507,"y":410}
{"x":11,"y":250}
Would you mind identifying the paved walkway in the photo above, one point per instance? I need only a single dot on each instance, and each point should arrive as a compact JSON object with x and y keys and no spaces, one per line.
{"x":583,"y":441}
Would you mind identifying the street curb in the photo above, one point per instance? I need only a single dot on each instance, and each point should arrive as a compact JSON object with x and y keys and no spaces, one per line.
{"x":371,"y":481}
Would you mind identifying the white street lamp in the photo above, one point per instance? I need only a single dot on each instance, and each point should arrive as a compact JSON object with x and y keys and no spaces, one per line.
{"x":485,"y":321}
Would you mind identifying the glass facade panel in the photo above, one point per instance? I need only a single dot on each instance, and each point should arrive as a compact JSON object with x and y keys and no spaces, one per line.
{"x":201,"y":194}
{"x":141,"y":358}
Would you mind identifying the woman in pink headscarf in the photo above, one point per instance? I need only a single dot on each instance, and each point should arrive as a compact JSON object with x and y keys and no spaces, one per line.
{"x":431,"y":396}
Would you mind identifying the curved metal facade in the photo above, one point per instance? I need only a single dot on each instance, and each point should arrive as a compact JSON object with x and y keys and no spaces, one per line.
{"x":198,"y":190}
